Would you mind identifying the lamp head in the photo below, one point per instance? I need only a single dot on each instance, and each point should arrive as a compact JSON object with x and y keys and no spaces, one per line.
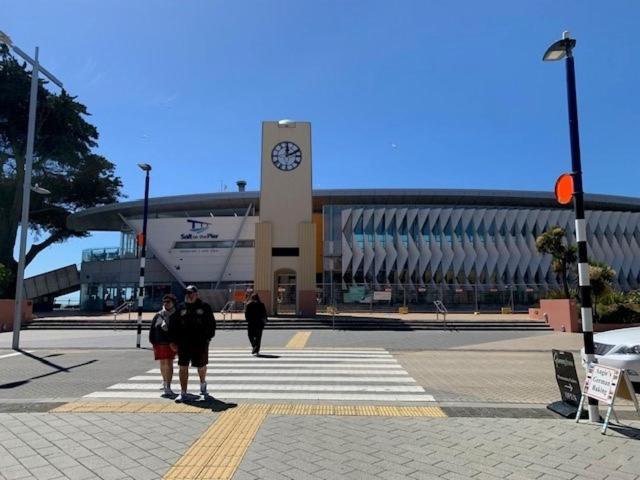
{"x":145,"y":167}
{"x":38,"y":189}
{"x":560,"y":49}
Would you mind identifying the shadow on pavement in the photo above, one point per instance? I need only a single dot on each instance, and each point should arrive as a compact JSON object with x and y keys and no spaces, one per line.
{"x":56,"y":369}
{"x":210,"y":403}
{"x":262,"y":355}
{"x":626,"y":430}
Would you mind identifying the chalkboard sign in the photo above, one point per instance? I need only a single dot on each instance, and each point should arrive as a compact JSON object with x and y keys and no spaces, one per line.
{"x":568,"y":383}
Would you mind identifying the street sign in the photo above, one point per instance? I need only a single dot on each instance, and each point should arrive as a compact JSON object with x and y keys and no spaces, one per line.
{"x":606,"y":384}
{"x":564,"y":188}
{"x":568,"y":383}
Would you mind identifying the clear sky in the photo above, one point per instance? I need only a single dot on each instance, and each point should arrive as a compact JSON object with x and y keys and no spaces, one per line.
{"x":415,"y":94}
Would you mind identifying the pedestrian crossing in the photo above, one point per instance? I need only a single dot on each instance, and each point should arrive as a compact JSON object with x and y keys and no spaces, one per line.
{"x":284,"y":375}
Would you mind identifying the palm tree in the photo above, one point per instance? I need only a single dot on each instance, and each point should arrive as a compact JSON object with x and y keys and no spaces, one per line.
{"x":554,"y":243}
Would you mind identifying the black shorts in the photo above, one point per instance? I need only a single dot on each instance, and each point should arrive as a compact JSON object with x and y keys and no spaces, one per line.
{"x":197,"y":355}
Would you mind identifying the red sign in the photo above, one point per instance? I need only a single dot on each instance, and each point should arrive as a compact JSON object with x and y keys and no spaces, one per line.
{"x":564,"y":188}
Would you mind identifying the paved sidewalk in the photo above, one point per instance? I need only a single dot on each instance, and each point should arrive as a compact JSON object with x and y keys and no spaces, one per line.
{"x":451,"y":448}
{"x":493,"y":386}
{"x":87,"y":446}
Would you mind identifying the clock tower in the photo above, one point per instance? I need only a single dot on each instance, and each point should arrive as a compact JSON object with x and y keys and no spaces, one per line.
{"x":285,"y":235}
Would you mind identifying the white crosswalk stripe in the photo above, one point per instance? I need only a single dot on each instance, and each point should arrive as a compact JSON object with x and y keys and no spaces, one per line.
{"x":284,"y":375}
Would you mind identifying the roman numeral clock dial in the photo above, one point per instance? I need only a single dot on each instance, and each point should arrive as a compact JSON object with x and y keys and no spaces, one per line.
{"x":286,"y":156}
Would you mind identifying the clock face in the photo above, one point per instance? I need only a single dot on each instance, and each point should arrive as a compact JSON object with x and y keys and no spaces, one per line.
{"x":286,"y":156}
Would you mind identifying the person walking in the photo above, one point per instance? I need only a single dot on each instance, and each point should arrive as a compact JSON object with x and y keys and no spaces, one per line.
{"x":159,"y":338}
{"x":256,"y":315}
{"x":191,"y":329}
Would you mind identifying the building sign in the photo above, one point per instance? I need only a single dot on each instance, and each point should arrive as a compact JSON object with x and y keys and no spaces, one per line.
{"x":198,"y":230}
{"x":196,"y":249}
{"x":382,"y":296}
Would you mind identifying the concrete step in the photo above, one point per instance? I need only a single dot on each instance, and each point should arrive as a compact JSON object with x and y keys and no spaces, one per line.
{"x":297,"y":324}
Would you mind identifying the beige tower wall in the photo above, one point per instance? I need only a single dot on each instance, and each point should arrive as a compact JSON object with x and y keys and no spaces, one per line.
{"x":286,"y":193}
{"x":307,"y":269}
{"x":286,"y":207}
{"x":263,"y":279}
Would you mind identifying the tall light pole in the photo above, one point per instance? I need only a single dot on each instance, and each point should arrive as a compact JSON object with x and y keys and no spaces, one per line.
{"x":557,"y":51}
{"x":145,"y":167}
{"x":26,"y":185}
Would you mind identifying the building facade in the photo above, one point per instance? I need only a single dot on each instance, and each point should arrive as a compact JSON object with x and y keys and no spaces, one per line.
{"x":418,"y":244}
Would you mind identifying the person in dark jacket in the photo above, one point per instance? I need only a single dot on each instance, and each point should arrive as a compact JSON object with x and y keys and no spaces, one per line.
{"x":159,"y":338}
{"x":191,"y":329}
{"x":256,"y":315}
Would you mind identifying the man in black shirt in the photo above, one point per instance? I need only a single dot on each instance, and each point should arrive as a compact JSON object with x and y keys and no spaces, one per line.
{"x":191,"y":329}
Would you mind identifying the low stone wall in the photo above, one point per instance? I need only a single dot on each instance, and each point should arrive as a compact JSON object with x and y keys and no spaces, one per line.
{"x":7,"y":308}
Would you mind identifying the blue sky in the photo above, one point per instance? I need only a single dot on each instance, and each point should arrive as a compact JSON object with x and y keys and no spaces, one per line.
{"x":424,"y":94}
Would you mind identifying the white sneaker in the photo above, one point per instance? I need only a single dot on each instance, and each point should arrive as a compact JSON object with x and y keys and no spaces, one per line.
{"x":184,"y":396}
{"x":168,"y":392}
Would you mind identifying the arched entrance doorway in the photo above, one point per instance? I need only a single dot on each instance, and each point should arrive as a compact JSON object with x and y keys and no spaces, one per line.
{"x":285,"y":293}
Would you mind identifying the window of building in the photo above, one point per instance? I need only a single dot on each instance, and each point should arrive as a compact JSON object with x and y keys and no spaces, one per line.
{"x":404,"y":232}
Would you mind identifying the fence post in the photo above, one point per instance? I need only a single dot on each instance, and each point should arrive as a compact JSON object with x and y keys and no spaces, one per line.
{"x":476,"y":296}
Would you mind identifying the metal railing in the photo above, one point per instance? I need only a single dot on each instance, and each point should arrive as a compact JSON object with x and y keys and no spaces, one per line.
{"x":128,"y":306}
{"x":347,"y":297}
{"x":441,"y":309}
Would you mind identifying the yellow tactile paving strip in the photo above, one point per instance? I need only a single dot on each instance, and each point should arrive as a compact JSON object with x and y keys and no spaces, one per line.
{"x":217,"y":454}
{"x":299,"y":340}
{"x":268,"y":408}
{"x":127,"y":407}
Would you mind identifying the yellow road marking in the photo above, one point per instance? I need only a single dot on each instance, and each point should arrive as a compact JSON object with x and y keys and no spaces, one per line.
{"x":217,"y":454}
{"x":299,"y":340}
{"x":267,"y":408}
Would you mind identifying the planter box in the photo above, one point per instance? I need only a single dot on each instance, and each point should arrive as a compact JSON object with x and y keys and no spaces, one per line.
{"x":7,"y":308}
{"x":561,"y":315}
{"x":535,"y":314}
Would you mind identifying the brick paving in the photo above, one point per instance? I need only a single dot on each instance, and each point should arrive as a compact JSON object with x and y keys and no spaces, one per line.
{"x":83,"y":446}
{"x":419,"y":448}
{"x":472,"y":376}
{"x":494,"y":386}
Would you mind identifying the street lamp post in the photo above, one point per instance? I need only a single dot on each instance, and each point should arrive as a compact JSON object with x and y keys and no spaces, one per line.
{"x":143,"y":253}
{"x":557,"y":51}
{"x":26,"y":186}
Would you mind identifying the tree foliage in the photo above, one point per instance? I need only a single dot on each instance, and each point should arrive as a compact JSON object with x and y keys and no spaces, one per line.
{"x":64,"y":162}
{"x":6,"y":279}
{"x":601,"y":277}
{"x":554,"y":242}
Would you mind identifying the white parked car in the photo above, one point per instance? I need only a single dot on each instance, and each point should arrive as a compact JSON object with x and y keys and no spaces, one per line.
{"x":620,"y":349}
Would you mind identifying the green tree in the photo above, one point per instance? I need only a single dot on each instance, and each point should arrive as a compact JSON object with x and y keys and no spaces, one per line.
{"x":63,"y":163}
{"x":554,"y":242}
{"x":601,"y":276}
{"x":5,"y":279}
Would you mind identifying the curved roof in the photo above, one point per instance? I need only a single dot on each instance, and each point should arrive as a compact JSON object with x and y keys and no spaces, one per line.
{"x":108,"y":217}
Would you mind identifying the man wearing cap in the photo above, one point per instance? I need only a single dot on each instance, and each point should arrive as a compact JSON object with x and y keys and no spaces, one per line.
{"x":191,"y":329}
